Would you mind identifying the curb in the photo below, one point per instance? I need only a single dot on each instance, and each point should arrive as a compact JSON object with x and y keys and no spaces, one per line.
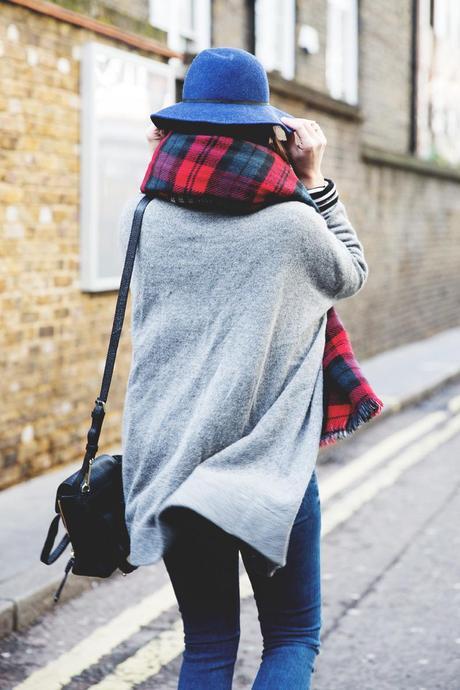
{"x":31,"y":595}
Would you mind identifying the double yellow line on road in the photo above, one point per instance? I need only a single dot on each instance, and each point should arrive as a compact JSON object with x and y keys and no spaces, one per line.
{"x":425,"y":435}
{"x":340,"y":511}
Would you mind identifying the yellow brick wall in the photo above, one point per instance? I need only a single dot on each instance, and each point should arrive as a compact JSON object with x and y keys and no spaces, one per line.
{"x":53,"y":337}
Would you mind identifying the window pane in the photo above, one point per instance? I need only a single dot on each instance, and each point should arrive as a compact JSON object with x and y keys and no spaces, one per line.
{"x":275,"y":35}
{"x":342,"y":50}
{"x":160,"y":12}
{"x":438,"y":92}
{"x":189,"y":23}
{"x":187,"y":12}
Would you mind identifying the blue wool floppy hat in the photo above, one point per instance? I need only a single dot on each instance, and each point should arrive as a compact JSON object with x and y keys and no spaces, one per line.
{"x":226,"y":86}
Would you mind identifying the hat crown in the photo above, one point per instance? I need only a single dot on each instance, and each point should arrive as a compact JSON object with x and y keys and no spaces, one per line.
{"x":226,"y":74}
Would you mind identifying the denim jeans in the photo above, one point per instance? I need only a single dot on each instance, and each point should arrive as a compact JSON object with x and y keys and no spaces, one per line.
{"x":203,"y":565}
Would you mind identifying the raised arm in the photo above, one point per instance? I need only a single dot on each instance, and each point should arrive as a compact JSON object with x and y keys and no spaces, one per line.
{"x":335,"y":254}
{"x":332,"y":250}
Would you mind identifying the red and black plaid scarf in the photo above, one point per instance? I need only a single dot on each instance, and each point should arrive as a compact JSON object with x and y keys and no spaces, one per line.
{"x":237,"y":176}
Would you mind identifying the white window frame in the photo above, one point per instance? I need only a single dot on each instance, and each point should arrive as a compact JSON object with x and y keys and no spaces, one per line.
{"x":90,"y":278}
{"x":271,"y":36}
{"x":342,"y":50}
{"x":177,"y":39}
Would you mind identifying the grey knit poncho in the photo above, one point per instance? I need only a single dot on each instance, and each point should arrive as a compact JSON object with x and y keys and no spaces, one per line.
{"x":224,"y":401}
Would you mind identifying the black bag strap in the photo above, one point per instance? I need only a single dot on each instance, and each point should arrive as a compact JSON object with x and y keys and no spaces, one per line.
{"x":46,"y":555}
{"x":122,"y":297}
{"x":98,"y":412}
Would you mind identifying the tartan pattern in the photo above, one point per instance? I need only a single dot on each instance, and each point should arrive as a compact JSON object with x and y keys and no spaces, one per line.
{"x":221,"y":173}
{"x":238,"y":176}
{"x":349,"y":400}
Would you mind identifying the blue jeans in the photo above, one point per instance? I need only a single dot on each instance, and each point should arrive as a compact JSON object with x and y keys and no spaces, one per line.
{"x":203,"y":565}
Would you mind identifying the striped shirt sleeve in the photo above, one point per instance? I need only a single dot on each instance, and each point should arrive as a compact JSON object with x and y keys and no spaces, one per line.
{"x":325,"y":196}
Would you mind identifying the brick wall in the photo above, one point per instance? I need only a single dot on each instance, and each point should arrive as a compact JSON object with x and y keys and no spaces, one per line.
{"x":311,"y":69}
{"x":53,"y":336}
{"x":234,"y":32}
{"x":385,"y":73}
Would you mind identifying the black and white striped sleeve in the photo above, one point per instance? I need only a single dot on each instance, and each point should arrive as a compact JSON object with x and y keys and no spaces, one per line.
{"x":325,"y":196}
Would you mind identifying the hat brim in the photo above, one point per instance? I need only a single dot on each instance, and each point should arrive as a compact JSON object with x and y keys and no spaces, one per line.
{"x":221,"y":113}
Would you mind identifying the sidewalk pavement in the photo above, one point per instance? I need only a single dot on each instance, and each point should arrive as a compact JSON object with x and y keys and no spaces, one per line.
{"x":400,"y":377}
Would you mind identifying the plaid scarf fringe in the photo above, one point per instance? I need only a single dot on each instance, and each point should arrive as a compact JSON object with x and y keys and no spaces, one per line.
{"x":364,"y":412}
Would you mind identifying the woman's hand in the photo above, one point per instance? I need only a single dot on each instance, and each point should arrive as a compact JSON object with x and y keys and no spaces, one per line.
{"x":154,"y":136}
{"x":305,"y":148}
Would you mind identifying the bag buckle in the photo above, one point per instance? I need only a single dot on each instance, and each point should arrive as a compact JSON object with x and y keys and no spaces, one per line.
{"x":85,"y":487}
{"x":97,"y":416}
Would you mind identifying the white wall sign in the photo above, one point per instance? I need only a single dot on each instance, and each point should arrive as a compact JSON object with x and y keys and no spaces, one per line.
{"x":119,"y":91}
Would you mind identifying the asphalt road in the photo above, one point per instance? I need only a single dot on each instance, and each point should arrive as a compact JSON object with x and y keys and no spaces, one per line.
{"x":390,"y":572}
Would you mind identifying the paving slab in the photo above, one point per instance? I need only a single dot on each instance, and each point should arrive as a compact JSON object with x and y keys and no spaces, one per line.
{"x":408,"y":373}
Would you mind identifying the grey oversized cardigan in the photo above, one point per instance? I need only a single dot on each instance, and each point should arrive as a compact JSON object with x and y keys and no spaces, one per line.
{"x":224,"y":401}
